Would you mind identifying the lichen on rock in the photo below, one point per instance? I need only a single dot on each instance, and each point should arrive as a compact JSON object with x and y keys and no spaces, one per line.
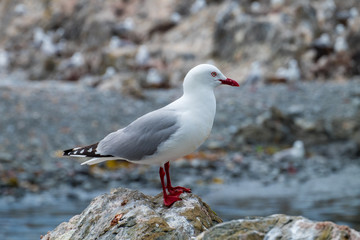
{"x":279,"y":226}
{"x":129,"y":214}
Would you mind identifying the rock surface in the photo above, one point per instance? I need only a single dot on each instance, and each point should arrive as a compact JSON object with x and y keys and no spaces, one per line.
{"x":128,"y":214}
{"x":278,"y":227}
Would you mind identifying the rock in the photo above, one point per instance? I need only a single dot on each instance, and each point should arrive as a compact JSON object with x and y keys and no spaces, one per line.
{"x":275,"y":127}
{"x":5,"y":157}
{"x":278,"y":226}
{"x":323,"y":36}
{"x":129,"y":214}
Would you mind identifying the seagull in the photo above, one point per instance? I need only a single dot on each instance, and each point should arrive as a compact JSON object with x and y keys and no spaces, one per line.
{"x":165,"y":134}
{"x":256,"y":75}
{"x":291,"y":74}
{"x":295,"y":153}
{"x":291,"y":155}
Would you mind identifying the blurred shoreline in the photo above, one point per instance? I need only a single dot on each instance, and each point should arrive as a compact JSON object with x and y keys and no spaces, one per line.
{"x":53,"y":116}
{"x":73,"y":71}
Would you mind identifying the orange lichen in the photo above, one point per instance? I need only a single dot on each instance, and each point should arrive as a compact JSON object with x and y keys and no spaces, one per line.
{"x":116,"y":219}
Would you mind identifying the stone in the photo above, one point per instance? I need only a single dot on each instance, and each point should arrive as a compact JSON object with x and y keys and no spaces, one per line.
{"x":235,"y":32}
{"x":271,"y":126}
{"x":5,"y":157}
{"x":278,"y":226}
{"x":129,"y":214}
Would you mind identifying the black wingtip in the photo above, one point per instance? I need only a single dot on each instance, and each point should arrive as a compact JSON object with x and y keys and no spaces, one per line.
{"x":87,"y":151}
{"x":67,"y":152}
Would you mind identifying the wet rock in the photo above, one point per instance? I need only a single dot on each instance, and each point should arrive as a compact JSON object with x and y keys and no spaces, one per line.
{"x":128,"y":214}
{"x":5,"y":157}
{"x":277,"y":123}
{"x":278,"y":227}
{"x":275,"y":127}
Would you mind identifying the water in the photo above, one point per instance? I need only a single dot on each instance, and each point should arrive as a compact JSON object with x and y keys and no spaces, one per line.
{"x":31,"y":222}
{"x":332,"y":198}
{"x":35,"y":215}
{"x":342,"y":211}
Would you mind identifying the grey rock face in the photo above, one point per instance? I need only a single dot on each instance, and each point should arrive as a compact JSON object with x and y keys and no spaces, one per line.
{"x":321,"y":36}
{"x":128,"y":214}
{"x":278,"y":227}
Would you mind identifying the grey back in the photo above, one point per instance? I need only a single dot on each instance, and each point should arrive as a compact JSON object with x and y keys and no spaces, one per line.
{"x":142,"y":137}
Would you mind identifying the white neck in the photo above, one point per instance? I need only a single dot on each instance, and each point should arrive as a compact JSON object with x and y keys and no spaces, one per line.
{"x":202,"y":101}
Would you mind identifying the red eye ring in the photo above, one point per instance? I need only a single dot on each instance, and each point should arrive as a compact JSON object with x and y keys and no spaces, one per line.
{"x":214,"y":74}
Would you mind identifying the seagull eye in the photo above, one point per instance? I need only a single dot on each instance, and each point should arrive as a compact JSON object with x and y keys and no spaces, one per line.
{"x":214,"y":74}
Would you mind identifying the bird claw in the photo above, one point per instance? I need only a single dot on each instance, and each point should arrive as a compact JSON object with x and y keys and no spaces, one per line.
{"x":176,"y":191}
{"x":170,"y":200}
{"x":171,"y":194}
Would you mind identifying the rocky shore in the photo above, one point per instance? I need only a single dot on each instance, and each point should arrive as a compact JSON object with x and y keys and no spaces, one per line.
{"x":134,"y":45}
{"x":128,"y":214}
{"x":54,"y":118}
{"x":73,"y":71}
{"x":324,"y":116}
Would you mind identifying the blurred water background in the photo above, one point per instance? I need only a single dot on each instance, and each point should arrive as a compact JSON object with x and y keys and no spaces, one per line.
{"x":73,"y":71}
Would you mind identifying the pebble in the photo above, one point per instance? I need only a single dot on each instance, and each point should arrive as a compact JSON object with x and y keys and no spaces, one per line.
{"x":5,"y":157}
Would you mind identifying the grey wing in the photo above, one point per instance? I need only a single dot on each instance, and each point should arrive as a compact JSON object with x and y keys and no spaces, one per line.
{"x":142,"y":137}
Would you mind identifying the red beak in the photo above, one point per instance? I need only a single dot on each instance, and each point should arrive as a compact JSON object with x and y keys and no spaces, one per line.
{"x":230,"y":82}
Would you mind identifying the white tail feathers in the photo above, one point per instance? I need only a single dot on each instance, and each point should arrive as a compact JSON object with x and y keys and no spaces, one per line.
{"x":98,"y":160}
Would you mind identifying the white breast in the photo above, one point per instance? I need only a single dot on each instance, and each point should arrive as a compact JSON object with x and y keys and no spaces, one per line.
{"x":196,"y":117}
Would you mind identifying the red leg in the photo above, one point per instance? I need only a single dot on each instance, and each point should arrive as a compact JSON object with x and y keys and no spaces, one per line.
{"x":168,"y":199}
{"x":174,"y":191}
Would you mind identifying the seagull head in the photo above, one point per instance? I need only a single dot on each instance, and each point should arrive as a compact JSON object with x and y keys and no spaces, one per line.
{"x":298,"y":144}
{"x":206,"y":76}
